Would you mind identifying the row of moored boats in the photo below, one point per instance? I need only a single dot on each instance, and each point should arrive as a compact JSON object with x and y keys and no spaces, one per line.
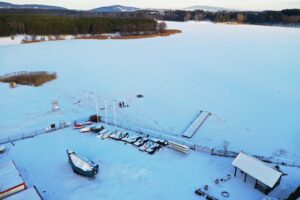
{"x":143,"y":143}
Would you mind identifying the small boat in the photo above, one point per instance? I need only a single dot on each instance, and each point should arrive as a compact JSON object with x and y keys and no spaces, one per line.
{"x":106,"y":135}
{"x":140,"y":142}
{"x":78,"y":126}
{"x":118,"y":135}
{"x":97,"y":129}
{"x":87,"y":123}
{"x":85,"y":130}
{"x":131,"y":139}
{"x":154,"y":147}
{"x":82,"y":166}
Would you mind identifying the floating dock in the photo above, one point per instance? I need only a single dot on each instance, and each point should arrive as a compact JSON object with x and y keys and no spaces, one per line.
{"x":196,"y":124}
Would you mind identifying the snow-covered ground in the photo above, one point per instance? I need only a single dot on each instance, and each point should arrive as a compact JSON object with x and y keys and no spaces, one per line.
{"x":246,"y":76}
{"x":127,"y":173}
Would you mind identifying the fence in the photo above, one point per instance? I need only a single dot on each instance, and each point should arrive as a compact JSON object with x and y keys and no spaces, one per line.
{"x":196,"y":147}
{"x":152,"y":133}
{"x":32,"y":134}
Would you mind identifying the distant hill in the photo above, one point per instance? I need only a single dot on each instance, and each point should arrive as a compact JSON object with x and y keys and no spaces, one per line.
{"x":115,"y":9}
{"x":4,"y":5}
{"x":207,"y":8}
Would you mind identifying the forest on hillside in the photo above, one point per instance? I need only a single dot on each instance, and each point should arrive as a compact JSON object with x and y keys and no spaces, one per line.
{"x":37,"y":24}
{"x":57,"y":22}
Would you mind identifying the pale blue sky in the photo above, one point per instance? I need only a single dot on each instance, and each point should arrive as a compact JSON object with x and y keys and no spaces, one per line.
{"x":236,"y":4}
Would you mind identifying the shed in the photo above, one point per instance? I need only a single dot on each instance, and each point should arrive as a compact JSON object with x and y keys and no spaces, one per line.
{"x":266,"y":178}
{"x":10,"y":179}
{"x":12,"y":84}
{"x":30,"y":193}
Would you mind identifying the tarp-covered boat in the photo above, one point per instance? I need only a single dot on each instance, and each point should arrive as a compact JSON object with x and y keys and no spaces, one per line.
{"x":82,"y":166}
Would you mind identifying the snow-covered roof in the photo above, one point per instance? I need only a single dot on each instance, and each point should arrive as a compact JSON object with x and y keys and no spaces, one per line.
{"x":30,"y":193}
{"x":9,"y":176}
{"x":257,"y":169}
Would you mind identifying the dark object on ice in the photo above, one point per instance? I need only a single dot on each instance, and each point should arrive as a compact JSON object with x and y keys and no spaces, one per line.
{"x":206,"y":187}
{"x":208,"y":197}
{"x":217,"y":181}
{"x":204,"y":194}
{"x":199,"y":192}
{"x":225,"y":194}
{"x":82,"y":166}
{"x":94,"y":118}
{"x":139,"y":96}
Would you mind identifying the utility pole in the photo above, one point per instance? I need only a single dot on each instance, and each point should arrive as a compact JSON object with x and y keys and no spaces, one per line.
{"x":105,"y":111}
{"x":96,"y":100}
{"x":115,"y":115}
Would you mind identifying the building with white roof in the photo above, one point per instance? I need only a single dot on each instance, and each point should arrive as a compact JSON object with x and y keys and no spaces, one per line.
{"x":11,"y":181}
{"x":266,"y":177}
{"x":30,"y":193}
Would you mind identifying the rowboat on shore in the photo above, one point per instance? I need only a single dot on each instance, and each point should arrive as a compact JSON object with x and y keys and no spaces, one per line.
{"x":82,"y":166}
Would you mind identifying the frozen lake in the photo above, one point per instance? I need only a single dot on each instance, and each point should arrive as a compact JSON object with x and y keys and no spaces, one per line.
{"x":248,"y":77}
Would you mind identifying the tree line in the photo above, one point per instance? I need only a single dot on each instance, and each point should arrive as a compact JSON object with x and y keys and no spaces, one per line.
{"x":37,"y":24}
{"x":285,"y":17}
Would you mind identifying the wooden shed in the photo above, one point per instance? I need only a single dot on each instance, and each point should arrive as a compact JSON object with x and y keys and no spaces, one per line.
{"x":12,"y":84}
{"x":266,"y":178}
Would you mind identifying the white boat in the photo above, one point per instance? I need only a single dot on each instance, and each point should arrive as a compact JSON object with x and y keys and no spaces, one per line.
{"x":85,"y":130}
{"x":106,"y":135}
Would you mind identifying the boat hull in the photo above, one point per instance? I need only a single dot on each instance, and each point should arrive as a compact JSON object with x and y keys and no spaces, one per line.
{"x":79,"y":171}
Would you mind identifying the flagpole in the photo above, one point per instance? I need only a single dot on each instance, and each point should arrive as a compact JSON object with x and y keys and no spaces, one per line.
{"x":115,"y":114}
{"x":96,"y":100}
{"x":105,"y":111}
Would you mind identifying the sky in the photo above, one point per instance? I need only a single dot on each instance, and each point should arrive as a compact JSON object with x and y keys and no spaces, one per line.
{"x":233,"y":4}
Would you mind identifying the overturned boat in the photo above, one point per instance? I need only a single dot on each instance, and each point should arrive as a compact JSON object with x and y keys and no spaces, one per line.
{"x":82,"y":166}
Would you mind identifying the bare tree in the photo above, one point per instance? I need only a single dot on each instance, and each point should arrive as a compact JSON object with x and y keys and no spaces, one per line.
{"x":33,"y":37}
{"x":225,"y":146}
{"x":162,"y":26}
{"x":241,"y":18}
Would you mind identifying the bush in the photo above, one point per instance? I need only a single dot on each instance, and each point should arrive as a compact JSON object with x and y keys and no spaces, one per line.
{"x":29,"y":78}
{"x":95,"y":118}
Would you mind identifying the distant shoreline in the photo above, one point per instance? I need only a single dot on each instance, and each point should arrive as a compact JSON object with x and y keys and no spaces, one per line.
{"x":165,"y":33}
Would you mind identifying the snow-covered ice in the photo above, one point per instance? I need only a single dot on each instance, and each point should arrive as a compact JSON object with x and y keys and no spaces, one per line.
{"x":246,"y":76}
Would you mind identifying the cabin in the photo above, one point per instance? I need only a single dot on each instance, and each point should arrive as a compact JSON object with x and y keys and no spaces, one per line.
{"x":12,"y":84}
{"x":31,"y":193}
{"x":266,"y":178}
{"x":55,"y":106}
{"x":11,"y":180}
